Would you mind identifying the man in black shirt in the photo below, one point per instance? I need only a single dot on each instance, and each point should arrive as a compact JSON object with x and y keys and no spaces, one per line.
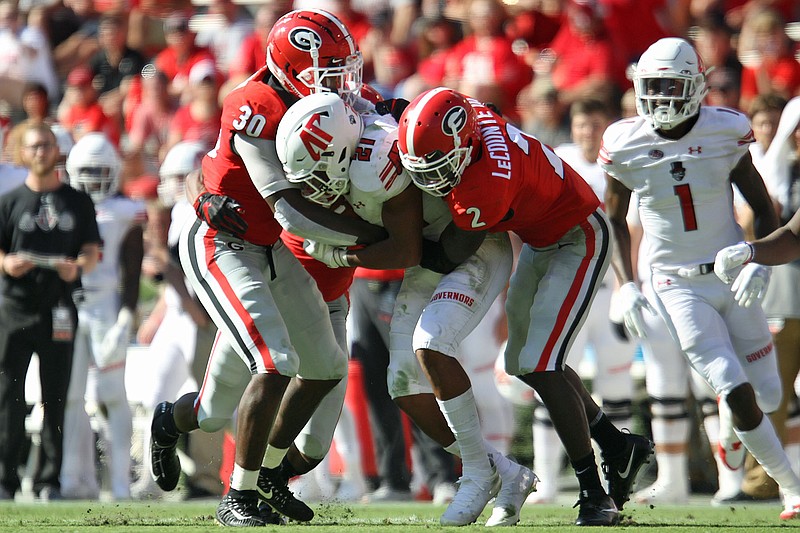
{"x":48,"y":236}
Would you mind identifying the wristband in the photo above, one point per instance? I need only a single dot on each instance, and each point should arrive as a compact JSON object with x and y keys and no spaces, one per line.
{"x":752,"y":252}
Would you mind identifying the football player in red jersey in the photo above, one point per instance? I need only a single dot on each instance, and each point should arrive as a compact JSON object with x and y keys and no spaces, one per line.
{"x":496,"y":178}
{"x":271,"y":314}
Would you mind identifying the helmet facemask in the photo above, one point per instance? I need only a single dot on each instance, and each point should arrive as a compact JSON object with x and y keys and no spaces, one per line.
{"x":172,"y":189}
{"x":437,"y":173}
{"x":321,"y":187}
{"x":666,"y":101}
{"x":343,"y":79}
{"x":97,"y":182}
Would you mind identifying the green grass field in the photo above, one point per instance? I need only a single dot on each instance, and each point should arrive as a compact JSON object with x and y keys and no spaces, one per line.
{"x":158,"y":517}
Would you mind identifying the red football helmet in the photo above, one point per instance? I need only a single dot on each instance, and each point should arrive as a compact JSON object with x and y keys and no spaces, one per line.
{"x":310,"y":50}
{"x":438,"y":132}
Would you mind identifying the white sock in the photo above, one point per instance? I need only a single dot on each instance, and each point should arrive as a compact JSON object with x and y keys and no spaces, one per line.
{"x":793,"y":454}
{"x":548,"y":454}
{"x":730,"y":481}
{"x":711,"y":425}
{"x":453,"y":449}
{"x":273,"y":456}
{"x":765,"y":446}
{"x":502,"y":463}
{"x":242,"y":479}
{"x":462,"y":417}
{"x":118,"y":433}
{"x":727,"y":433}
{"x":673,"y":468}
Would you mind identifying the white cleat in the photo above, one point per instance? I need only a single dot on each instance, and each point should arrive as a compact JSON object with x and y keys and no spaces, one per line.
{"x":661,"y":494}
{"x":791,"y":507}
{"x":732,"y":454}
{"x":470,"y":500}
{"x":513,"y":492}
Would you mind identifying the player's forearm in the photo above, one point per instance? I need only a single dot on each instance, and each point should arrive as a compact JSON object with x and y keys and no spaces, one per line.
{"x":131,"y":267}
{"x":387,"y":254}
{"x":779,"y":247}
{"x":304,"y":219}
{"x":194,"y":185}
{"x":621,"y":251}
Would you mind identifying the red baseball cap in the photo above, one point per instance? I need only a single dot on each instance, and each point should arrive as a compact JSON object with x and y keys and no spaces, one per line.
{"x":80,"y":76}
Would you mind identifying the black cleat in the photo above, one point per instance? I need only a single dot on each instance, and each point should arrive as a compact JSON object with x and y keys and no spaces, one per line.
{"x":239,"y":508}
{"x":620,"y":471}
{"x":269,"y":515}
{"x":165,"y":466}
{"x":273,"y":489}
{"x":596,"y":508}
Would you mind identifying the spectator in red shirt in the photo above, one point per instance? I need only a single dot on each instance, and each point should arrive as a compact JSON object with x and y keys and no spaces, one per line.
{"x":636,"y":24}
{"x":769,"y":64}
{"x":149,"y":123}
{"x":252,"y":53}
{"x":199,"y":119}
{"x":181,"y":53}
{"x":586,"y":64}
{"x":436,"y":38}
{"x":80,"y":112}
{"x":485,"y":62}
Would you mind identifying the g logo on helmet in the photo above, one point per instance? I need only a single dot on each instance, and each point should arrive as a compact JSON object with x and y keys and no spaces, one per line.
{"x":454,"y":121}
{"x":305,"y":39}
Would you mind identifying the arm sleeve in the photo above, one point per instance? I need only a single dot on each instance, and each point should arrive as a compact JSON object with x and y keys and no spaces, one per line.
{"x":261,"y":160}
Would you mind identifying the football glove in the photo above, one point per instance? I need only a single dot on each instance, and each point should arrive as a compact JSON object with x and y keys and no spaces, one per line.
{"x":631,"y":301}
{"x":393,"y":106}
{"x":728,"y":260}
{"x":221,"y":213}
{"x":115,"y":341}
{"x":751,"y":284}
{"x":333,"y":256}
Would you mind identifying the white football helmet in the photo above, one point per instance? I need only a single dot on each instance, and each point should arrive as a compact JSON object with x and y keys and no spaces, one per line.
{"x":670,"y":82}
{"x":93,"y":166}
{"x":181,"y":159}
{"x":316,"y":139}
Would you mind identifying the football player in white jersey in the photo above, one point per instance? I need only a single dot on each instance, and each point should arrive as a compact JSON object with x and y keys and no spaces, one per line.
{"x":681,"y":158}
{"x":612,"y":350}
{"x":106,"y":311}
{"x":669,"y":380}
{"x":440,"y":301}
{"x":178,"y":312}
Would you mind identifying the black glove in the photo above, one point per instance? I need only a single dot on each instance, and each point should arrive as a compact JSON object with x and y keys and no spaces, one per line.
{"x":493,"y":107}
{"x":221,"y":213}
{"x":618,"y":328}
{"x":393,"y":106}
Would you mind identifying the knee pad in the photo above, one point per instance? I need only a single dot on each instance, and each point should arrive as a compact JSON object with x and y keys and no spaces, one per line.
{"x":312,"y":446}
{"x":315,"y":438}
{"x":211,"y":425}
{"x":769,"y":393}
